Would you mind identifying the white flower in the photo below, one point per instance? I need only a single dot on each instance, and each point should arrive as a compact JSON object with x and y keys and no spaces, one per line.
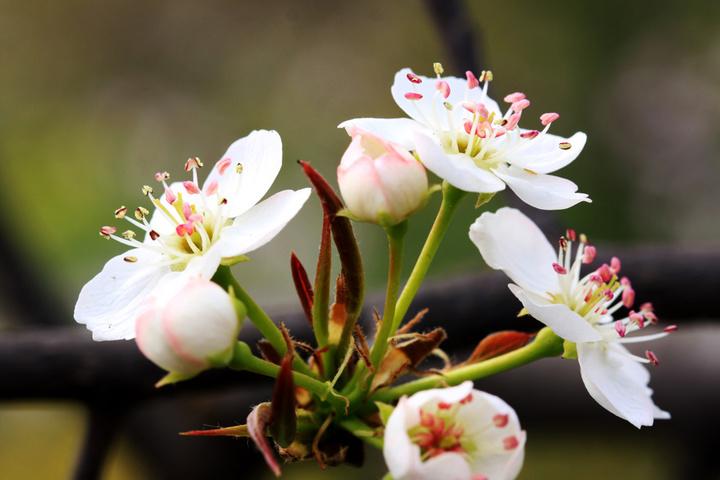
{"x":453,"y":433}
{"x":577,"y":308}
{"x":192,"y":229}
{"x":187,"y":324}
{"x":462,"y":136}
{"x":381,"y":182}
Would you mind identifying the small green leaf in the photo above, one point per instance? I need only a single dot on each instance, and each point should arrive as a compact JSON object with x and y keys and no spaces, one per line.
{"x":569,"y":350}
{"x":385,"y":411}
{"x":483,"y":198}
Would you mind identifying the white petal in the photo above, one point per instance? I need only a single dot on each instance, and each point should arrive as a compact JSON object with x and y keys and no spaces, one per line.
{"x":110,"y":303}
{"x":402,"y":457}
{"x":458,"y":169}
{"x":543,"y":154}
{"x":447,"y":466}
{"x":260,"y":224}
{"x":546,"y":192}
{"x":435,"y":395}
{"x":430,"y":110}
{"x":563,"y":321}
{"x":260,"y":155}
{"x":511,"y":242}
{"x":396,"y":130}
{"x":617,"y":382}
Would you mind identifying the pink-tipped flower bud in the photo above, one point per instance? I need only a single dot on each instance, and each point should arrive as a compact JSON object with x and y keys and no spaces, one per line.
{"x":188,"y":325}
{"x":380,"y":181}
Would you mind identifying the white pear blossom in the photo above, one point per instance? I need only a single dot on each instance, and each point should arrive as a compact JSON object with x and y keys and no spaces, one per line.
{"x":455,"y":433}
{"x":580,"y":309}
{"x":192,"y":229}
{"x":381,"y":182}
{"x":463,"y":136}
{"x":187,"y":324}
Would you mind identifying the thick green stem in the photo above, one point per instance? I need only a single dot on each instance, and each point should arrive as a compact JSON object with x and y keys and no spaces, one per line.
{"x":546,"y":344}
{"x":396,"y":239}
{"x":244,"y":360}
{"x":362,"y":431}
{"x":258,"y":317}
{"x":451,"y":199}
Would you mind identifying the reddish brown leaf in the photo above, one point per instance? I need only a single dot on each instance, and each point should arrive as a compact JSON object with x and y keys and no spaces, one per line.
{"x":338,"y":312}
{"x":302,"y":286}
{"x":283,"y":419}
{"x":257,"y":423}
{"x":499,"y":343}
{"x":268,"y":352}
{"x":414,"y":321}
{"x":234,"y":431}
{"x":322,"y":281}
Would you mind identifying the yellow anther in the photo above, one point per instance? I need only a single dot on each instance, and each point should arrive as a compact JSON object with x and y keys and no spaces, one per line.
{"x":239,"y":168}
{"x":128,"y":234}
{"x":193,"y":162}
{"x":130,"y":259}
{"x":439,"y":70}
{"x":141,"y":213}
{"x":120,"y":212}
{"x":486,"y":76}
{"x":147,"y":190}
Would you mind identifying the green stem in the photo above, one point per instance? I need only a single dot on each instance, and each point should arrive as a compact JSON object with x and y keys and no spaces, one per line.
{"x":244,"y":360}
{"x":258,"y":317}
{"x":451,"y":199}
{"x":396,"y":237}
{"x":546,"y":344}
{"x":362,"y":431}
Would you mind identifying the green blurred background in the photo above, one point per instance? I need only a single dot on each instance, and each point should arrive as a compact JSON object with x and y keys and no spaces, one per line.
{"x":97,"y":96}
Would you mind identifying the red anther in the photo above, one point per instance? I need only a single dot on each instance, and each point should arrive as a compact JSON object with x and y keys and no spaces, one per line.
{"x":650,"y":355}
{"x":625,"y":282}
{"x":620,"y":328}
{"x":185,"y":229}
{"x":514,"y":97}
{"x":160,"y":176}
{"x":647,"y":306}
{"x":499,"y":132}
{"x":414,"y":78}
{"x":615,"y":264}
{"x":196,"y":218}
{"x":510,"y":443}
{"x":589,"y":253}
{"x":638,"y":319}
{"x":587,"y":297}
{"x":571,"y":235}
{"x":479,"y":476}
{"x":223,"y":165}
{"x":107,"y":230}
{"x":513,"y":121}
{"x":628,"y":296}
{"x":548,"y":118}
{"x":530,"y":134}
{"x":500,"y":420}
{"x":170,"y":195}
{"x":562,"y":243}
{"x":154,"y":235}
{"x":444,"y":405}
{"x":595,"y":278}
{"x":443,"y":87}
{"x":426,"y":419}
{"x":413,"y":96}
{"x":187,"y":211}
{"x":472,"y":80}
{"x":439,"y":427}
{"x":606,"y":274}
{"x":211,"y":187}
{"x":650,"y":317}
{"x":609,"y":294}
{"x":190,"y":187}
{"x":559,"y":268}
{"x":670,"y":328}
{"x":466,"y":399}
{"x":520,"y":105}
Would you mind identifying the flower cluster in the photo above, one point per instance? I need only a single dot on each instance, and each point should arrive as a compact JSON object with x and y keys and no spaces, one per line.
{"x":174,"y":293}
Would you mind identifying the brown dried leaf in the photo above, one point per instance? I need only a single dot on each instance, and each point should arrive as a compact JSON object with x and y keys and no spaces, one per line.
{"x":257,"y":423}
{"x":499,"y":343}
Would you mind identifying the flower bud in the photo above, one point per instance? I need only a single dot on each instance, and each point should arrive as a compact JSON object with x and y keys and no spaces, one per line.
{"x":188,"y":325}
{"x":380,"y":181}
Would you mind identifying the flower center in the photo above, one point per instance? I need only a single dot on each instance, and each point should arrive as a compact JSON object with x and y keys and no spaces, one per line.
{"x":439,"y":432}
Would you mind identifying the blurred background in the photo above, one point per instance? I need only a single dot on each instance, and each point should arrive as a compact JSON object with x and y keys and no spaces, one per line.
{"x":97,"y":96}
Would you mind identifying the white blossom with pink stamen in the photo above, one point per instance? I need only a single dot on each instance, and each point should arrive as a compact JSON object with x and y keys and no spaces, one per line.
{"x":463,"y":136}
{"x":454,"y":433}
{"x":580,"y":309}
{"x":192,"y":229}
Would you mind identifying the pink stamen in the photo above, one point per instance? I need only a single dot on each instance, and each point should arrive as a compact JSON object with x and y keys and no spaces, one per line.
{"x":615,"y":264}
{"x":670,"y":328}
{"x":191,"y":163}
{"x":160,"y":176}
{"x":638,"y":319}
{"x":414,"y":78}
{"x":187,"y":210}
{"x":530,"y":134}
{"x":413,"y":96}
{"x":479,"y":476}
{"x":548,"y":118}
{"x":559,"y":268}
{"x":605,"y":273}
{"x":190,"y":187}
{"x":501,"y":420}
{"x":571,"y":235}
{"x":650,"y":317}
{"x":647,"y":306}
{"x":185,"y":229}
{"x":628,"y":297}
{"x":223,"y":165}
{"x":510,"y":443}
{"x":211,"y":187}
{"x":472,"y":80}
{"x":513,"y":121}
{"x":609,"y":294}
{"x":620,"y":328}
{"x":467,"y":399}
{"x":514,"y":97}
{"x":520,"y":105}
{"x":589,"y":253}
{"x":443,"y":87}
{"x":444,"y":405}
{"x":650,"y":355}
{"x":107,"y":230}
{"x":426,"y":419}
{"x":170,"y":195}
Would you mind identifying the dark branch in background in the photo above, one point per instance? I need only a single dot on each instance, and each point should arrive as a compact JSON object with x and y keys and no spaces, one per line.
{"x":462,"y":40}
{"x":66,"y":363}
{"x":102,"y":425}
